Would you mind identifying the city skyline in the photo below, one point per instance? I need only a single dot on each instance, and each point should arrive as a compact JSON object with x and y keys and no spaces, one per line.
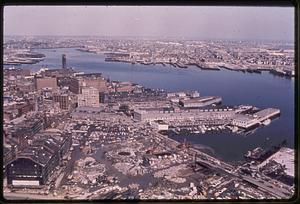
{"x":241,"y":23}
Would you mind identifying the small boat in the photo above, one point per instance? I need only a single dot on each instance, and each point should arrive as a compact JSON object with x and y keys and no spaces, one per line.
{"x":266,"y":122}
{"x":235,"y":129}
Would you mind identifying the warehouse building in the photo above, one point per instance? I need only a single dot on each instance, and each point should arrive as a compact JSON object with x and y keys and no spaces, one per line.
{"x":251,"y":121}
{"x":35,"y":164}
{"x":267,"y":113}
{"x":244,"y":121}
{"x":172,"y":114}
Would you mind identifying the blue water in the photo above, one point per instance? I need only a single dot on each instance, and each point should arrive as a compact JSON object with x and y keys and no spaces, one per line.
{"x":261,"y":90}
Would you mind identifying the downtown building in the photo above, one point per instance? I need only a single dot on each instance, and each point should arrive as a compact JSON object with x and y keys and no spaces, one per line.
{"x":89,"y":97}
{"x":63,"y":99}
{"x":95,"y":80}
{"x":74,"y":85}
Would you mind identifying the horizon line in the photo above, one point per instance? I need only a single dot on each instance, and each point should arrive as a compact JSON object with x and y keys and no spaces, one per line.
{"x":157,"y":37}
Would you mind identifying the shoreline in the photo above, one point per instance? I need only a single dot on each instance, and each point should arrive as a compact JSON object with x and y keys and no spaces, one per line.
{"x":179,"y":65}
{"x":186,"y":66}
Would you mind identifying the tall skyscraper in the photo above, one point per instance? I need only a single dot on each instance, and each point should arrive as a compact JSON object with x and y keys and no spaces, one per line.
{"x":64,"y":61}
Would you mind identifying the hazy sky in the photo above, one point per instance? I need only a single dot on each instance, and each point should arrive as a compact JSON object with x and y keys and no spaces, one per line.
{"x":275,"y":23}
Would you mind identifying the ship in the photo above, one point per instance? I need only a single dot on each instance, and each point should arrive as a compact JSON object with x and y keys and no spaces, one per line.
{"x":254,"y":154}
{"x":261,"y":155}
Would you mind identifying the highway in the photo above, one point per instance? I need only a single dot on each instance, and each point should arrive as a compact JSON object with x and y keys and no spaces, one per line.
{"x":264,"y":185}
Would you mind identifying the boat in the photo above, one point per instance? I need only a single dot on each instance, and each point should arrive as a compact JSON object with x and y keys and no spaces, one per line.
{"x":266,"y":122}
{"x":235,"y":129}
{"x":221,"y":127}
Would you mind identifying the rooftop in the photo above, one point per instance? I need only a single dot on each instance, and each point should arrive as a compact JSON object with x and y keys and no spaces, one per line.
{"x":266,"y":111}
{"x":200,"y":99}
{"x":243,"y":118}
{"x":36,"y":153}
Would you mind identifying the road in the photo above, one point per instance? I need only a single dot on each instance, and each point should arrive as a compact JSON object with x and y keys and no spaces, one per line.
{"x":264,"y":185}
{"x":28,"y":196}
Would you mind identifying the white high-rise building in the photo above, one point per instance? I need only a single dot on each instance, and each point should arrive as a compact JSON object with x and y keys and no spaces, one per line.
{"x":89,"y":97}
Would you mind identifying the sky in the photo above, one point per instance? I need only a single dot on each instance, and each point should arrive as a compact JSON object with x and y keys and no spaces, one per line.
{"x":200,"y":22}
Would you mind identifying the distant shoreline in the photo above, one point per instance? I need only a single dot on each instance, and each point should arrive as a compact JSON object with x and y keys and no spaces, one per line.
{"x":174,"y":65}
